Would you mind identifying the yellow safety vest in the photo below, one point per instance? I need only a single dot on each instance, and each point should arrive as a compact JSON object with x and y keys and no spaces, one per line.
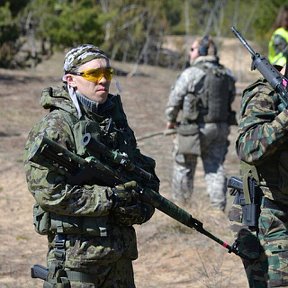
{"x":277,"y":59}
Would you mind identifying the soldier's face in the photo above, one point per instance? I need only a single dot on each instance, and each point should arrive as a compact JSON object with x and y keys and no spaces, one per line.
{"x":94,"y":90}
{"x":194,"y":51}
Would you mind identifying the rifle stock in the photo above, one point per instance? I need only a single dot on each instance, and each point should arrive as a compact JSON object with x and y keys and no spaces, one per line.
{"x":62,"y":159}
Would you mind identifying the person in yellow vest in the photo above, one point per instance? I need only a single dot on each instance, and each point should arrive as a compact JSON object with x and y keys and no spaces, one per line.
{"x":278,"y":45}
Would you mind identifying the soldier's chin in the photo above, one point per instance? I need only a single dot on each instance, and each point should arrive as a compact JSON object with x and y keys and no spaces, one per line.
{"x":101,"y":97}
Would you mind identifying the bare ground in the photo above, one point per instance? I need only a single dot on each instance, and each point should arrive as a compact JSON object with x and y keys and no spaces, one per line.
{"x":170,"y":255}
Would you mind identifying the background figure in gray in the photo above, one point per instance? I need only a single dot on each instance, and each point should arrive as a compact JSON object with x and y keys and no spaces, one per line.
{"x":204,"y":92}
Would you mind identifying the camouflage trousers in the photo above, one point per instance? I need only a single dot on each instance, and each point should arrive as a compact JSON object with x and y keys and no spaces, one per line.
{"x":214,"y":147}
{"x":268,"y":248}
{"x":89,"y":262}
{"x":115,"y":275}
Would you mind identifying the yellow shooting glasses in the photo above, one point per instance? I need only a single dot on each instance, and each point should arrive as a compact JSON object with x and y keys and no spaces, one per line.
{"x":95,"y":75}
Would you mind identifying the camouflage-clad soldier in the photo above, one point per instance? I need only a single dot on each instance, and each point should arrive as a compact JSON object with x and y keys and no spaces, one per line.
{"x":262,"y":145}
{"x":203,"y":93}
{"x":91,"y":239}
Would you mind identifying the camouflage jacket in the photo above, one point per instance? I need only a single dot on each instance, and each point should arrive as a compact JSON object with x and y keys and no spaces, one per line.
{"x":50,"y":189}
{"x":262,"y":140}
{"x":189,"y":84}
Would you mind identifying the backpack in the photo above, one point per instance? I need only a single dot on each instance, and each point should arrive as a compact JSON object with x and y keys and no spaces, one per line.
{"x":215,"y":97}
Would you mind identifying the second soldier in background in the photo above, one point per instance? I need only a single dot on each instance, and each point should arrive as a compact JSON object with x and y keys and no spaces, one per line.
{"x":204,"y":92}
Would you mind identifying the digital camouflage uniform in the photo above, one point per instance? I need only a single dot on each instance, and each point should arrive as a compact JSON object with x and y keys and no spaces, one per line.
{"x":262,"y":143}
{"x":84,"y":234}
{"x":207,"y":139}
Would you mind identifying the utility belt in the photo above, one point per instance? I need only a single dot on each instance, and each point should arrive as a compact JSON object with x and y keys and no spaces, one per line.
{"x":46,"y":222}
{"x":94,"y":226}
{"x":191,"y":127}
{"x":188,"y":128}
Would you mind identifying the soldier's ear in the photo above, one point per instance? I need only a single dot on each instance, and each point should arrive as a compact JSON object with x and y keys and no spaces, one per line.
{"x":70,"y":80}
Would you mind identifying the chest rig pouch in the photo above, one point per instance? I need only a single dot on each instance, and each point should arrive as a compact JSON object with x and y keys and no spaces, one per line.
{"x":188,"y":137}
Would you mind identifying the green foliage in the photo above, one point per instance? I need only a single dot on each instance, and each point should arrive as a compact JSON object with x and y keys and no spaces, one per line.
{"x":5,"y":14}
{"x":129,"y":30}
{"x":265,"y":19}
{"x":67,"y":24}
{"x":9,"y":33}
{"x":174,"y":11}
{"x":16,"y":6}
{"x":135,"y":29}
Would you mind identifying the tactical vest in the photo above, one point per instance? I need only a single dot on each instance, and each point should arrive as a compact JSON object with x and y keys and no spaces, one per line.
{"x":211,"y":102}
{"x":112,"y":131}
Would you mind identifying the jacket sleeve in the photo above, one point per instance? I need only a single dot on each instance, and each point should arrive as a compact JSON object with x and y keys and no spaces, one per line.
{"x":176,"y":97}
{"x":262,"y":127}
{"x":50,"y":188}
{"x":185,"y":83}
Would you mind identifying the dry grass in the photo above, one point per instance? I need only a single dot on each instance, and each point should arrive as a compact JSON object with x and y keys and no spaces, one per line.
{"x":170,"y":255}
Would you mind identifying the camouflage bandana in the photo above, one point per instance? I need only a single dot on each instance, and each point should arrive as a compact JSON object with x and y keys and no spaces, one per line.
{"x":80,"y":55}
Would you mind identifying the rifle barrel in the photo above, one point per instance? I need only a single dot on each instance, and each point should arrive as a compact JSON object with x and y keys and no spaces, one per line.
{"x":243,"y":41}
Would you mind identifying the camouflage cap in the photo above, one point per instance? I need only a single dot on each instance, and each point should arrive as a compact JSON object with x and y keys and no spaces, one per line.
{"x":80,"y":55}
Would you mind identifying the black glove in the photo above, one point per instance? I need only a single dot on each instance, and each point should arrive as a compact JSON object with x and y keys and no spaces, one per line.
{"x":134,"y":214}
{"x":122,"y":195}
{"x":126,"y":208}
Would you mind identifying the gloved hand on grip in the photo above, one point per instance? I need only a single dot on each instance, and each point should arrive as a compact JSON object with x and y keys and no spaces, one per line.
{"x":133,"y":214}
{"x":122,"y":195}
{"x":127,"y":209}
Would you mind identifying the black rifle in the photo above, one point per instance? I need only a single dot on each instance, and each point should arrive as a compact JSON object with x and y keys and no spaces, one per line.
{"x":250,"y":210}
{"x":116,"y":157}
{"x":268,"y":71}
{"x":78,"y":170}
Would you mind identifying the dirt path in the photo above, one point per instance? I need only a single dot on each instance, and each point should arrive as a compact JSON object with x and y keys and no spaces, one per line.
{"x":170,"y":255}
